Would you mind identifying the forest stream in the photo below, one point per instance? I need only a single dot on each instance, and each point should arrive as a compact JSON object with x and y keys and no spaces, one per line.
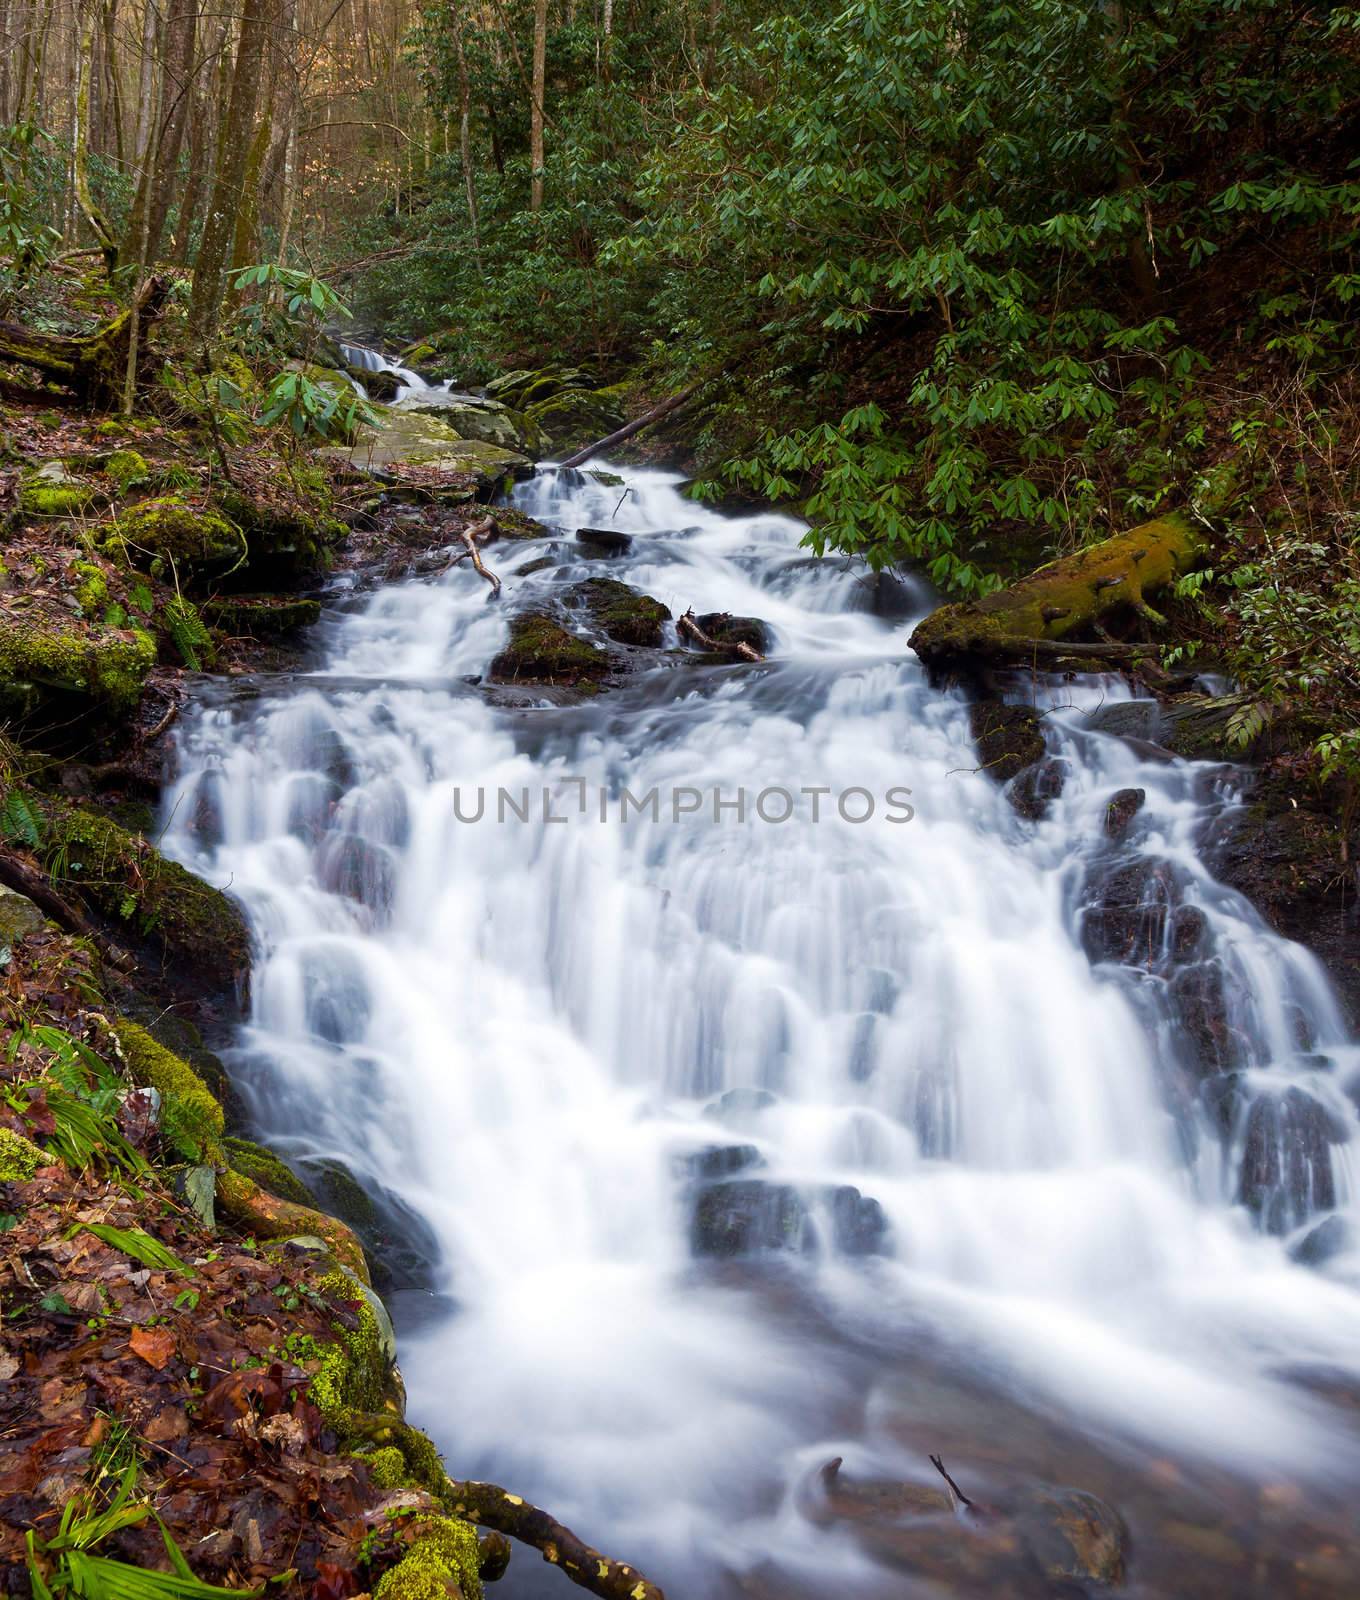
{"x":716,"y":1146}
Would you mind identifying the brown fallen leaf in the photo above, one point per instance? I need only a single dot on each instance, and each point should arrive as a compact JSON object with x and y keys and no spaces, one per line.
{"x":9,"y":1365}
{"x":170,"y":1422}
{"x":154,"y":1345}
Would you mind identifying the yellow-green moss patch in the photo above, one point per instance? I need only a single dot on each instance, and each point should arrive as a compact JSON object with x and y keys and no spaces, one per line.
{"x":110,"y":666}
{"x":20,"y":1158}
{"x":446,"y":1552}
{"x":192,"y":1119}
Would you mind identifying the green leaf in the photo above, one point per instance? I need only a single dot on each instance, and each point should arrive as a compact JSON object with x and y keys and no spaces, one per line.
{"x":138,"y":1244}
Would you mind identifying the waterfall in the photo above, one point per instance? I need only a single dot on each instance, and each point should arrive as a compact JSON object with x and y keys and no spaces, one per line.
{"x":1027,"y":1118}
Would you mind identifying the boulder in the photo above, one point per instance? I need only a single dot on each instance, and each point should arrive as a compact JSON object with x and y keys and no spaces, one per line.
{"x":747,"y":1216}
{"x":18,"y":917}
{"x":403,"y":439}
{"x":729,"y":631}
{"x":1335,"y":1236}
{"x":1286,"y":1172}
{"x":573,"y":418}
{"x":858,"y":1225}
{"x":1122,"y":808}
{"x":540,"y":650}
{"x":524,"y":386}
{"x":55,"y":491}
{"x":718,"y":1161}
{"x":185,"y":538}
{"x":260,"y":616}
{"x":487,"y":420}
{"x":619,"y":612}
{"x":108,"y":666}
{"x":604,"y":541}
{"x":1032,"y":791}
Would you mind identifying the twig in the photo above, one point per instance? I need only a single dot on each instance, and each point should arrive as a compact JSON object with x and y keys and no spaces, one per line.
{"x":486,"y":530}
{"x":955,"y":1493}
{"x":691,"y":629}
{"x":491,"y":1507}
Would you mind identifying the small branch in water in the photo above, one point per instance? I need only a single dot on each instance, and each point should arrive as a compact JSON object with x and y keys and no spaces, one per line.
{"x":955,"y":1493}
{"x":482,"y":532}
{"x":489,"y":1506}
{"x":689,"y":627}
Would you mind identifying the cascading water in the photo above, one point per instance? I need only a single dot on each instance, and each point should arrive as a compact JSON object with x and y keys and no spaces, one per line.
{"x":1025,"y":1117}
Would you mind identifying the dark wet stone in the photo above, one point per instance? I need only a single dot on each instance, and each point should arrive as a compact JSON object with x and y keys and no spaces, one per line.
{"x":858,"y":1225}
{"x":1008,"y":738}
{"x":1333,"y":1237}
{"x":1074,"y":1535}
{"x":1122,"y":809}
{"x":746,"y":1217}
{"x":542,"y":564}
{"x":1199,"y":997}
{"x":604,"y":541}
{"x":1033,"y":791}
{"x":725,"y":629}
{"x":719,"y":1161}
{"x":1286,"y":1172}
{"x":349,"y":865}
{"x":1128,"y":719}
{"x":891,"y":598}
{"x":1189,"y":928}
{"x":1125,"y":919}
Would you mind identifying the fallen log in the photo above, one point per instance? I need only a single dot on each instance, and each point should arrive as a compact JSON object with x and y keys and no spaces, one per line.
{"x":488,"y":1506}
{"x":28,"y":881}
{"x":92,"y":365}
{"x":636,"y":426}
{"x":1073,"y":593}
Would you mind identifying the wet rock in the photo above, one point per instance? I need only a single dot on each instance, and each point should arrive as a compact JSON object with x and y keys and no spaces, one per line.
{"x":1125,"y":919}
{"x":401,"y":439}
{"x":1123,"y":807}
{"x":573,"y":418}
{"x":1033,"y":791}
{"x":1200,"y":728}
{"x":513,"y":524}
{"x":746,"y":1217}
{"x":541,"y":650}
{"x":486,"y":420}
{"x":262,"y":616}
{"x":718,"y":1161}
{"x":1199,"y":997}
{"x":527,"y":386}
{"x":729,"y":631}
{"x":1139,"y":720}
{"x":621,"y":613}
{"x":351,"y":866}
{"x":604,"y":541}
{"x":891,"y":598}
{"x":1189,"y":931}
{"x":542,"y":564}
{"x":1008,"y":738}
{"x":858,"y":1224}
{"x":1073,"y":1534}
{"x":1286,"y":1172}
{"x":379,"y":385}
{"x":1335,"y":1236}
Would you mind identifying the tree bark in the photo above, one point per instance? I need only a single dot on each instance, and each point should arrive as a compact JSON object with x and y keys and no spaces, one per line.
{"x":1079,"y":591}
{"x":95,"y":219}
{"x":540,"y":62}
{"x":233,"y":155}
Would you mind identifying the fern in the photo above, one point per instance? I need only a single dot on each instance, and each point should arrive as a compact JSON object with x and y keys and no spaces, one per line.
{"x":20,"y":822}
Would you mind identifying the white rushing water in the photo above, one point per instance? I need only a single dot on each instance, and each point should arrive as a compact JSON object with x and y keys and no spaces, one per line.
{"x":523,"y":1030}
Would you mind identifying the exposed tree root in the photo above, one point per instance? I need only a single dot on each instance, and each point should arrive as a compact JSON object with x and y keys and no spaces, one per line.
{"x":492,"y":1507}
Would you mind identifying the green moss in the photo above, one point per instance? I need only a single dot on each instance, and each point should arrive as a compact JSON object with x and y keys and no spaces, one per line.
{"x":127,"y":468}
{"x":203,"y":933}
{"x":387,"y":1467}
{"x":262,"y":618}
{"x":540,"y":650}
{"x":110,"y":667}
{"x":192,"y":1119}
{"x":264,"y":1167}
{"x":20,"y":1158}
{"x":342,"y":1196}
{"x":170,"y":530}
{"x":574,"y":417}
{"x":619,"y":612}
{"x":39,"y":499}
{"x":446,"y":1552}
{"x":92,"y":592}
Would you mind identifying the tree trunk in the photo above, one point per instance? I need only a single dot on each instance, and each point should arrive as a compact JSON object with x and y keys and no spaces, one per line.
{"x":540,"y":63}
{"x":1079,"y":591}
{"x":80,"y":144}
{"x":233,"y":156}
{"x":92,"y":365}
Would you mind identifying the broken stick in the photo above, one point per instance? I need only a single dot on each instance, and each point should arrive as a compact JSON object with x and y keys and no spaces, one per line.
{"x":689,"y":626}
{"x":482,"y":532}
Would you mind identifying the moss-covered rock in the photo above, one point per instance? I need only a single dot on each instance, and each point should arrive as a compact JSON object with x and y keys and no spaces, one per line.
{"x":1009,"y":738}
{"x":18,"y":917}
{"x":442,"y":1564}
{"x":267,"y":1216}
{"x":525,"y":386}
{"x":515,"y":524}
{"x":263,"y":1167}
{"x":487,"y":420}
{"x":403,"y":439}
{"x":574,"y":418}
{"x":109,"y":665}
{"x":128,"y":469}
{"x":54,"y":491}
{"x":20,"y":1158}
{"x":172,"y":533}
{"x":729,"y":631}
{"x":541,"y":650}
{"x":192,"y":1119}
{"x":620,"y":612}
{"x":203,"y":935}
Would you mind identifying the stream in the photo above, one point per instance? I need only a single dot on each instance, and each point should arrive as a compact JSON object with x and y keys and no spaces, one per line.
{"x":715,"y":1145}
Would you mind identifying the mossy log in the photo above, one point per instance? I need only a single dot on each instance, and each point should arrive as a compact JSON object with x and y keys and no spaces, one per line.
{"x":488,"y":1506}
{"x":253,"y":1210}
{"x":1059,"y":600}
{"x":92,"y":365}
